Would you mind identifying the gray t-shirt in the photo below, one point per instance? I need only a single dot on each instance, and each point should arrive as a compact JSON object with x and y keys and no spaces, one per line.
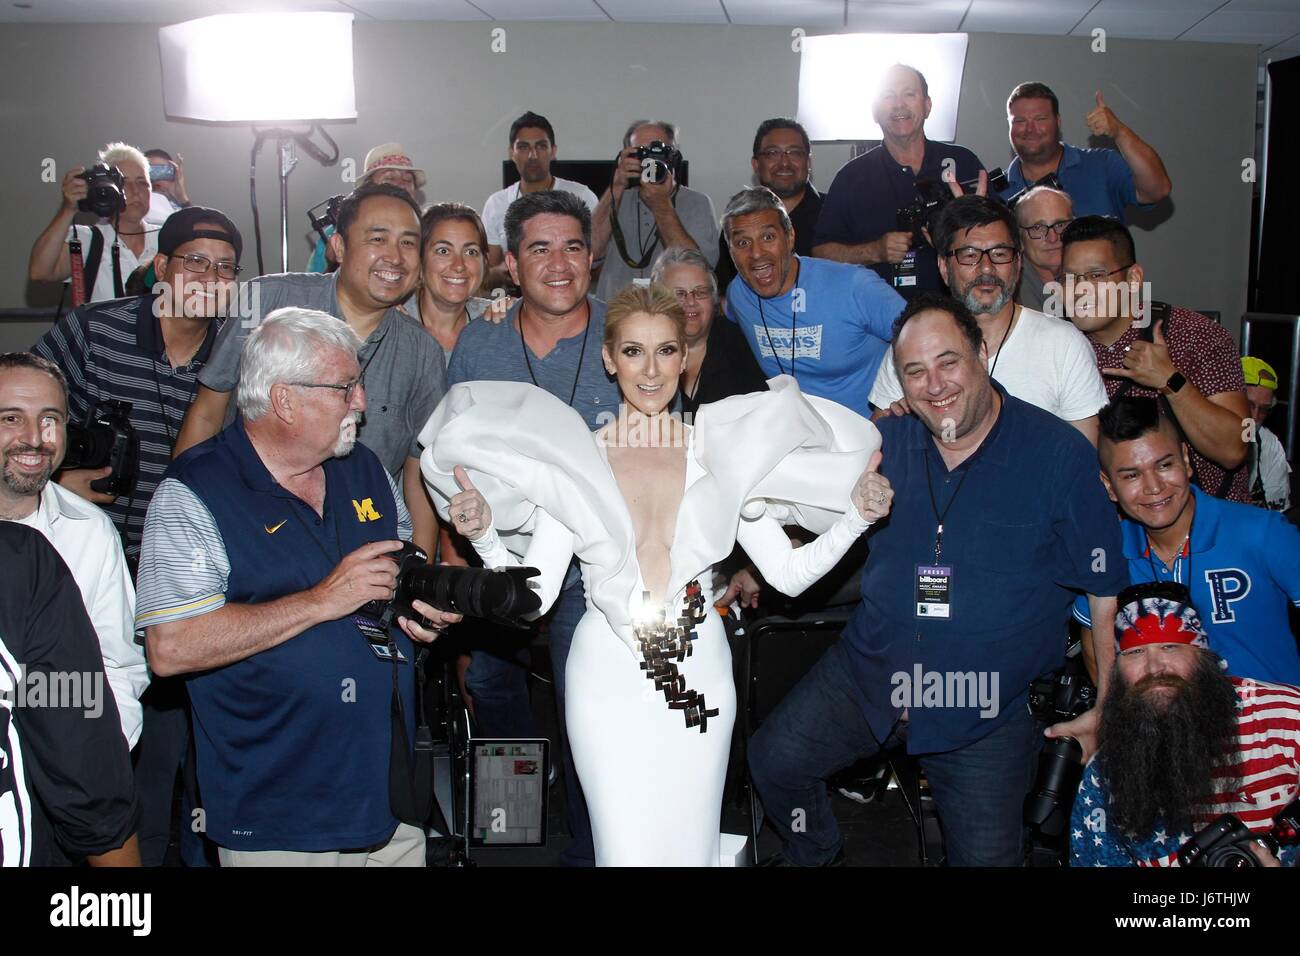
{"x":694,"y":209}
{"x":403,"y":364}
{"x":489,"y":352}
{"x":475,"y":306}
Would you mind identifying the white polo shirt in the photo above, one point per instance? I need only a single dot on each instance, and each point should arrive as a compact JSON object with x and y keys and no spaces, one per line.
{"x":1045,"y":361}
{"x":494,"y":210}
{"x":127,"y":260}
{"x":85,"y":538}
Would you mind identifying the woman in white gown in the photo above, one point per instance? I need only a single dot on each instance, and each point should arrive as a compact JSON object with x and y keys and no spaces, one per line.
{"x":648,"y":507}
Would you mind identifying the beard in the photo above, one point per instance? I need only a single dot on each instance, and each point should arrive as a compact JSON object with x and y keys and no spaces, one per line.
{"x":347,"y":435}
{"x":1159,"y":754}
{"x":986,"y":308}
{"x":23,"y":485}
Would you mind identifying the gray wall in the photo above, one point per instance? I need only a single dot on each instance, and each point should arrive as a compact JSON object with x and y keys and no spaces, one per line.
{"x":440,"y":90}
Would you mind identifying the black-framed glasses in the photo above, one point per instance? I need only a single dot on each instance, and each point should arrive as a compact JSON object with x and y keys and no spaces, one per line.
{"x":347,"y":388}
{"x":971,"y":255}
{"x":1096,"y":275}
{"x":199,"y":265}
{"x":796,"y":153}
{"x":1039,"y":229}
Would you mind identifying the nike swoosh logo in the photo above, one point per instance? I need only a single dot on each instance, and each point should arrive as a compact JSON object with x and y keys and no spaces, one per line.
{"x":272,"y":529}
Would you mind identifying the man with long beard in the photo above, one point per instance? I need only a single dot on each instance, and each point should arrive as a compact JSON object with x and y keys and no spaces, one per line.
{"x":1036,"y":358}
{"x":1181,"y":742}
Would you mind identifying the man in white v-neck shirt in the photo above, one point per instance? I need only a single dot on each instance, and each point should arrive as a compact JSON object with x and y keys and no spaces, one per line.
{"x":532,"y":148}
{"x":1037,"y":358}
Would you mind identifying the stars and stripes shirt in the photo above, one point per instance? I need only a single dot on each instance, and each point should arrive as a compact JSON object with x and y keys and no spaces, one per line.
{"x":1266,"y":761}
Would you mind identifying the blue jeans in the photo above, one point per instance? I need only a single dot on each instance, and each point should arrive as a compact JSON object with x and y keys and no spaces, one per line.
{"x":498,"y":682}
{"x":819,"y":728}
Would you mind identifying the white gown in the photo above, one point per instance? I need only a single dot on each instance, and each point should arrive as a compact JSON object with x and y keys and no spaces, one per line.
{"x":754,"y":462}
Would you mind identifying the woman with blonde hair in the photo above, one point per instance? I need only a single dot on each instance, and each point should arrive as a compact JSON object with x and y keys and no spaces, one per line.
{"x":649,"y":505}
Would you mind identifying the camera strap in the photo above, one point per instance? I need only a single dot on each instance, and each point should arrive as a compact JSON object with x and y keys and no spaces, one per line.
{"x":617,"y":231}
{"x":118,"y":290}
{"x":90,"y":269}
{"x":410,"y":769}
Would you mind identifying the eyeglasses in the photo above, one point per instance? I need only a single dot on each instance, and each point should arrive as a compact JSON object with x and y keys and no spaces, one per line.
{"x":348,"y":388}
{"x":796,"y":153}
{"x":701,"y":293}
{"x":199,"y":265}
{"x":1096,"y":275}
{"x":971,"y":255}
{"x":1039,"y":229}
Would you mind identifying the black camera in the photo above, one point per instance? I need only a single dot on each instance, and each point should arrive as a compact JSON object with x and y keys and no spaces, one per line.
{"x":1051,"y":180}
{"x":502,"y":596}
{"x":1054,"y":699}
{"x":1226,"y":841}
{"x":324,"y":216}
{"x":933,"y":196}
{"x":105,"y":197}
{"x":106,"y":440}
{"x":658,"y":160}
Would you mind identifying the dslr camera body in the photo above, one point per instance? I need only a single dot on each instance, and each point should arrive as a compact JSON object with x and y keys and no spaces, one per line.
{"x":106,"y":197}
{"x":933,"y":196}
{"x":106,"y":440}
{"x":658,"y":160}
{"x":1055,"y":699}
{"x":1226,"y":841}
{"x":324,"y":216}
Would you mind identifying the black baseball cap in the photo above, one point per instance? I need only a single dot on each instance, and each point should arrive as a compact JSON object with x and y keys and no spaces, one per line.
{"x":188,"y":224}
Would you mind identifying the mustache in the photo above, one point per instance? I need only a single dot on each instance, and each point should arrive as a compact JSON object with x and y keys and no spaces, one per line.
{"x":28,"y":450}
{"x":985,"y":279}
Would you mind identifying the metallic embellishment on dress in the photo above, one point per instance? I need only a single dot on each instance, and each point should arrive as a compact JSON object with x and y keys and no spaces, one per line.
{"x":664,"y":646}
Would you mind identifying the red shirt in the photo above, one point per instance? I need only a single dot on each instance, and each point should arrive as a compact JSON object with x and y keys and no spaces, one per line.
{"x":1205,"y":353}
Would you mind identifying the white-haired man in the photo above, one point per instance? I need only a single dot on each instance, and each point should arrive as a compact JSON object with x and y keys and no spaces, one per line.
{"x":1041,"y":215}
{"x":260,"y":546}
{"x":112,"y":248}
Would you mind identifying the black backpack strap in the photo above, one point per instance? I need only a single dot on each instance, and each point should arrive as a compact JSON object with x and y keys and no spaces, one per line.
{"x":91,"y":268}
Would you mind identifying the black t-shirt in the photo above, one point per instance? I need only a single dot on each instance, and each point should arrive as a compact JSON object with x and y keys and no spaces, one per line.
{"x":66,"y":790}
{"x":804,"y":220}
{"x":729,"y":367}
{"x":867,"y":193}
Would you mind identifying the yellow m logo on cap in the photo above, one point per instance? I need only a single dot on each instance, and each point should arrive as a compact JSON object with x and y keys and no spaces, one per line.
{"x":366,"y":510}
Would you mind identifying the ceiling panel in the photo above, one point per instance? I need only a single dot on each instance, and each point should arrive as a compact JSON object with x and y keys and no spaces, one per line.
{"x":791,"y":13}
{"x":1250,"y":21}
{"x":1050,"y":17}
{"x":665,"y":11}
{"x":550,"y":10}
{"x":1147,"y":19}
{"x":907,"y":16}
{"x":150,"y":11}
{"x":446,"y":10}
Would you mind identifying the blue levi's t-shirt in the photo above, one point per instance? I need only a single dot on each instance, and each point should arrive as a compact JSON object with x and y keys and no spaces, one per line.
{"x":837,"y":321}
{"x":1098,"y":181}
{"x":1242,"y":568}
{"x":293,"y":742}
{"x":1029,"y":528}
{"x":492,"y":352}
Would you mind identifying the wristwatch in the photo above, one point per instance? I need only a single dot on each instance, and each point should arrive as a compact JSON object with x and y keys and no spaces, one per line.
{"x":1176,"y":381}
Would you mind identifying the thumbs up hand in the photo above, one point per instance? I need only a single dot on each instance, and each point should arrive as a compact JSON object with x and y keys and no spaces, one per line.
{"x":470,"y":514}
{"x":872,"y":494}
{"x":1102,"y":121}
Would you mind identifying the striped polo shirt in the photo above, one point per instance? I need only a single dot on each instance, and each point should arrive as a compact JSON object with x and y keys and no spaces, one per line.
{"x":114,"y":351}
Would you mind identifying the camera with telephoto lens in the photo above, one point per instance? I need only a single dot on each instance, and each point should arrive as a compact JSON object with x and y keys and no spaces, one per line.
{"x":106,"y":440}
{"x":933,"y":196}
{"x":657,"y":160}
{"x":324,"y":216}
{"x":104,"y":197}
{"x":1055,"y":699}
{"x":501,"y":596}
{"x":1226,"y":842}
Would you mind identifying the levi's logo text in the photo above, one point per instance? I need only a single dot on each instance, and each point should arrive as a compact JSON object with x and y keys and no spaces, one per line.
{"x":273,"y":528}
{"x":366,"y":510}
{"x":778,"y":343}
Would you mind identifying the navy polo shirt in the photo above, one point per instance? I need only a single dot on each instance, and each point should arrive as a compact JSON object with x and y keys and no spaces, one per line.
{"x":867,"y":193}
{"x":1029,"y":528}
{"x":1099,"y":181}
{"x":293,"y":742}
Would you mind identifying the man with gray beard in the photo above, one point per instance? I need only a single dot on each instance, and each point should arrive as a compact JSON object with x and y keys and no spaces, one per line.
{"x":1181,"y":743}
{"x":1039,"y":359}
